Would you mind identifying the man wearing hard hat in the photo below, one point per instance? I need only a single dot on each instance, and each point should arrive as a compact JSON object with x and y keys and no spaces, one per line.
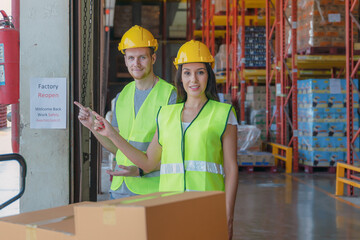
{"x":136,"y":107}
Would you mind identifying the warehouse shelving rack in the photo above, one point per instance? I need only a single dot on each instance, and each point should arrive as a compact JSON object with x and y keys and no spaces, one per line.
{"x":285,"y":68}
{"x":351,"y":70}
{"x":281,"y":67}
{"x":285,"y":77}
{"x":231,"y":21}
{"x":208,"y":35}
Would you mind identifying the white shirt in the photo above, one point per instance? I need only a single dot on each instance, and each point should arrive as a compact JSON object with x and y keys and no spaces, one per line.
{"x":232,"y":121}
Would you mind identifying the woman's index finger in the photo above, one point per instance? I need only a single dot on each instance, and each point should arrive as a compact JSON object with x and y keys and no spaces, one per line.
{"x":79,"y":105}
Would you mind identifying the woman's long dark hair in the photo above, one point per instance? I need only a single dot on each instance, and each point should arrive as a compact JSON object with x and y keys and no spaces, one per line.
{"x":210,"y":91}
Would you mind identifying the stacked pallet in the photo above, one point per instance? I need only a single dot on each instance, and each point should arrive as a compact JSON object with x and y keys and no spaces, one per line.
{"x":255,"y":46}
{"x":322,"y":121}
{"x":249,"y":148}
{"x":321,"y":26}
{"x":255,"y":101}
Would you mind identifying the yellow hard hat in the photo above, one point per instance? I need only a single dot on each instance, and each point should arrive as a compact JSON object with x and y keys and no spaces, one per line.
{"x":137,"y":37}
{"x":194,"y":51}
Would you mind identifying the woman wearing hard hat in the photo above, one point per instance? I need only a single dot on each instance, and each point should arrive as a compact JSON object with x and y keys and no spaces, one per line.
{"x":196,"y":139}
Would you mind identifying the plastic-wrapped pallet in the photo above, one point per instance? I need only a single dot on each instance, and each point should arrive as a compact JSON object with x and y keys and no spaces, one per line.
{"x":247,"y":136}
{"x":249,"y":147}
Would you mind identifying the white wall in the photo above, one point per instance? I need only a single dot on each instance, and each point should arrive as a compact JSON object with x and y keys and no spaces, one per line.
{"x":44,"y":53}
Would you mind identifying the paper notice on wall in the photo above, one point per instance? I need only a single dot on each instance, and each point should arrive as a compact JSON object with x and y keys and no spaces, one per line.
{"x":278,"y":89}
{"x":335,"y":86}
{"x":48,"y":103}
{"x":334,"y":17}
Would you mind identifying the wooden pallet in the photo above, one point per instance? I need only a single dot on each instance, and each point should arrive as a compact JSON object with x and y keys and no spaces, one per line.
{"x":322,"y":51}
{"x":252,"y":169}
{"x":316,"y":169}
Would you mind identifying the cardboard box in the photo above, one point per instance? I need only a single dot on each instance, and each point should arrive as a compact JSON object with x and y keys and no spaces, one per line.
{"x":158,"y":216}
{"x":245,"y":158}
{"x":54,"y":223}
{"x":264,"y":159}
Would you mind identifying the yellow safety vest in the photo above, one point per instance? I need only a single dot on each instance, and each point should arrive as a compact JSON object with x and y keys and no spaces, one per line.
{"x":139,"y":131}
{"x":192,"y":161}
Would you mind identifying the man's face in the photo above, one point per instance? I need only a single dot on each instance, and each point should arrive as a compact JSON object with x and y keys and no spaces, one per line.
{"x":139,"y":62}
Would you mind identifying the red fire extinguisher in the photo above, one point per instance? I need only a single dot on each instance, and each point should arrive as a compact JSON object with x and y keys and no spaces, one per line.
{"x":9,"y":61}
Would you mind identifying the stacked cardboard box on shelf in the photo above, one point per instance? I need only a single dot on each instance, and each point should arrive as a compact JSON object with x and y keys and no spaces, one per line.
{"x":255,"y":46}
{"x":255,"y":101}
{"x":256,"y":96}
{"x":220,"y":6}
{"x":322,"y":121}
{"x":157,"y":216}
{"x":321,"y":23}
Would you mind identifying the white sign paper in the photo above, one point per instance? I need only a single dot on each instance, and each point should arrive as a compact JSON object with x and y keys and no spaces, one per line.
{"x":278,"y":89}
{"x":335,"y":86}
{"x":48,"y":103}
{"x":334,"y":17}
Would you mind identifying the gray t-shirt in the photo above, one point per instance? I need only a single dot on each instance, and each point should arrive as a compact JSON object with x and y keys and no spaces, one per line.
{"x":139,"y":98}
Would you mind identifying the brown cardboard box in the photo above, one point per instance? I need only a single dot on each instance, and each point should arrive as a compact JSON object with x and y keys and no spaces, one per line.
{"x":263,"y":159}
{"x":245,"y":158}
{"x":158,"y":216}
{"x":49,"y":224}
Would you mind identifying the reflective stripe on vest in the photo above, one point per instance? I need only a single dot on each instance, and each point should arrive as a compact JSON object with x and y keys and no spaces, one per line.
{"x":202,"y":140}
{"x":199,"y":166}
{"x":139,"y":131}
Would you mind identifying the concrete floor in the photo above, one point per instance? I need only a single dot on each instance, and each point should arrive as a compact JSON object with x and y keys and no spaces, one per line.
{"x":298,"y":206}
{"x":268,"y":206}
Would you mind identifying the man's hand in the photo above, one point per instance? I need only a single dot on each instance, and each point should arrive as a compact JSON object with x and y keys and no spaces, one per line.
{"x":85,"y":116}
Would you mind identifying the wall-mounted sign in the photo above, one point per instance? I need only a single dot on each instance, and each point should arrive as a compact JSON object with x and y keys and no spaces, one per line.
{"x":48,"y":103}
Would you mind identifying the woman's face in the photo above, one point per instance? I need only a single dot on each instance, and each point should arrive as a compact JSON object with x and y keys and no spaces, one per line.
{"x":194,"y":78}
